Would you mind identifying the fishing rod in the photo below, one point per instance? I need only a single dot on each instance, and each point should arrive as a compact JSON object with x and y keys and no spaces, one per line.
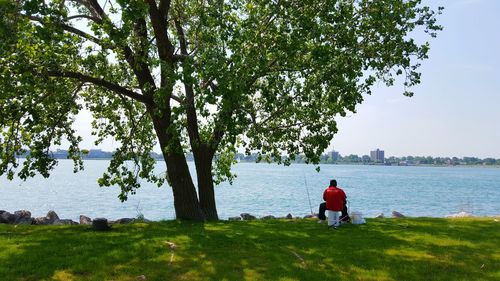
{"x":308,"y":197}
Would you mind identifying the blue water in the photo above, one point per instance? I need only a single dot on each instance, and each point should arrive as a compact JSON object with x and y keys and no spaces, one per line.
{"x":268,"y":189}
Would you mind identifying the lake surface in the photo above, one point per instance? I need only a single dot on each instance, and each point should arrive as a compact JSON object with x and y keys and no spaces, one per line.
{"x":267,"y":189}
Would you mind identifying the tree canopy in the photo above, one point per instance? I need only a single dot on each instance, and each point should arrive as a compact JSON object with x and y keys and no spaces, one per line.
{"x":200,"y":76}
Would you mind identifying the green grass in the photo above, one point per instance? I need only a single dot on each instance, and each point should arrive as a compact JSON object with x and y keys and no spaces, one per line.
{"x":383,"y":249}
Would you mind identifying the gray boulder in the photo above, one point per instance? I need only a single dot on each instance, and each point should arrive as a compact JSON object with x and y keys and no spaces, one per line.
{"x":85,"y":220}
{"x":8,"y":218}
{"x":289,"y":216}
{"x":65,"y":222}
{"x":23,"y":217}
{"x":247,"y":216}
{"x":52,"y":217}
{"x":270,"y":217}
{"x":41,"y":221}
{"x":234,"y":218}
{"x":23,"y":214}
{"x":397,"y":214}
{"x":3,"y":218}
{"x":26,"y":220}
{"x":124,"y":221}
{"x":100,"y":224}
{"x":380,"y":216}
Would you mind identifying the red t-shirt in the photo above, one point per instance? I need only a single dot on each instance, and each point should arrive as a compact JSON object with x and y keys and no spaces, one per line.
{"x":334,"y":198}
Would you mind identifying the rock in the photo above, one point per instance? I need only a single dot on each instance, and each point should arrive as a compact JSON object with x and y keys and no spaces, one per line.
{"x":85,"y":220}
{"x":23,"y":214}
{"x":268,"y":217}
{"x":125,"y":221}
{"x":23,"y":217}
{"x":397,"y":214}
{"x":234,"y":218}
{"x":41,"y":221}
{"x":380,"y":216}
{"x":52,"y":217}
{"x":310,"y":216}
{"x":460,"y":215}
{"x":8,"y":218}
{"x":247,"y":216}
{"x":100,"y":224}
{"x":26,"y":220}
{"x":141,"y":278}
{"x":65,"y":222}
{"x":2,"y":219}
{"x":289,"y":216}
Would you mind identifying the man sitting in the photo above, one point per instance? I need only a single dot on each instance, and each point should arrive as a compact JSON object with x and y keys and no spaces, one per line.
{"x":335,"y":199}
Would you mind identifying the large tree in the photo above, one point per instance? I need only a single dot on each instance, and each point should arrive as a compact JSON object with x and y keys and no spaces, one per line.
{"x":200,"y":76}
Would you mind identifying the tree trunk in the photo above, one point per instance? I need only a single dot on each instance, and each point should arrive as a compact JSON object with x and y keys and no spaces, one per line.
{"x":186,"y":201}
{"x":203,"y":162}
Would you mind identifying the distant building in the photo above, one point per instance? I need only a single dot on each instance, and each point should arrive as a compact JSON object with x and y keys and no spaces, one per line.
{"x":365,"y":158}
{"x":377,"y":155}
{"x":335,"y":155}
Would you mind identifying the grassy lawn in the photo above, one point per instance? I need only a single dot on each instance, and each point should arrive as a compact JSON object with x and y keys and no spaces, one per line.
{"x":383,"y":249}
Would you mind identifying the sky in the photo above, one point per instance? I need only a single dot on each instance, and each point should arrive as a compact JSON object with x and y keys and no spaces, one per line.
{"x":455,"y":110}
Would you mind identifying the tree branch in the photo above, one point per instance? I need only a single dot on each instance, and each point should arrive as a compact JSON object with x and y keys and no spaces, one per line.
{"x":94,"y":19}
{"x":97,"y":13}
{"x":163,"y":44}
{"x":182,"y":37}
{"x":163,"y":8}
{"x":192,"y":119}
{"x":101,"y":82}
{"x":96,"y":7}
{"x":140,"y":29}
{"x":165,"y":48}
{"x":140,"y":68}
{"x":179,"y":57}
{"x":70,"y":29}
{"x":177,"y":99}
{"x":220,"y":126}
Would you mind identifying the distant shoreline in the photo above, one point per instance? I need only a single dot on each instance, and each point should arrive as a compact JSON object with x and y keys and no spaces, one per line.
{"x":346,"y":164}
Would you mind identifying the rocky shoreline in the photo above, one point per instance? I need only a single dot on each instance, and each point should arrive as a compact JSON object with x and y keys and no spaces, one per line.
{"x":24,"y":217}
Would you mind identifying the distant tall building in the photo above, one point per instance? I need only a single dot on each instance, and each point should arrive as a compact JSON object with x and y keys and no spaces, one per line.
{"x":377,"y":155}
{"x":335,"y":155}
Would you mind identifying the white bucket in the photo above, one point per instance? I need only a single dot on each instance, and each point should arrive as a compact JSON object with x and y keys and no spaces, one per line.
{"x":357,"y":218}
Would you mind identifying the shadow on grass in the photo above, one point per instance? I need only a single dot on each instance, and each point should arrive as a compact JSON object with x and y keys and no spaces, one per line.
{"x":387,"y":249}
